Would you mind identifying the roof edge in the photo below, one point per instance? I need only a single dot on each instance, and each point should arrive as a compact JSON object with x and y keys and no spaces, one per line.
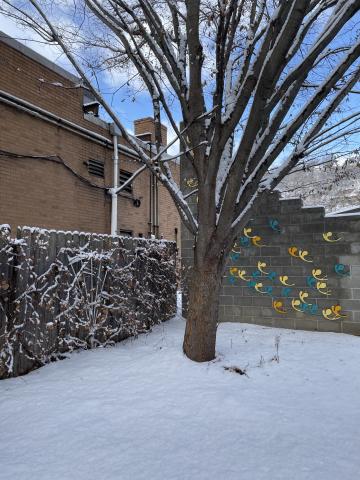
{"x":20,"y":47}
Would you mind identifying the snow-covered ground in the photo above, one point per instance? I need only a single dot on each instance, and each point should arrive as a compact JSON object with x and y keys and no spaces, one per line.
{"x":141,"y":410}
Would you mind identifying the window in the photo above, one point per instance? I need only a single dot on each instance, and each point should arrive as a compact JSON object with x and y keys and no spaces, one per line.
{"x":95,"y":167}
{"x":123,"y":177}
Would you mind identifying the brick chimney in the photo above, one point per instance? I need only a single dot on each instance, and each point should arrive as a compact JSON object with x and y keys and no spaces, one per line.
{"x":144,"y":128}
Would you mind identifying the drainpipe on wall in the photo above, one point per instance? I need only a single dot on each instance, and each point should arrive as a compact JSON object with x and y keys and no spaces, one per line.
{"x":114,"y":196}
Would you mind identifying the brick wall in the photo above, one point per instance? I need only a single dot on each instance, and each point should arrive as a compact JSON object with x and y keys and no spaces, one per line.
{"x":45,"y":193}
{"x":169,"y":219}
{"x":145,"y":129}
{"x":302,"y":271}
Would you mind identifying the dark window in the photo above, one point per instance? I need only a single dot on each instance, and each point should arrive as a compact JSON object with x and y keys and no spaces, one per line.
{"x":126,"y":233}
{"x":96,"y":167}
{"x":123,"y":177}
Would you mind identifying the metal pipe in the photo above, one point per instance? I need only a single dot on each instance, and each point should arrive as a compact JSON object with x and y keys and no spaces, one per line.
{"x":35,"y":111}
{"x":114,"y":196}
{"x":156,"y":208}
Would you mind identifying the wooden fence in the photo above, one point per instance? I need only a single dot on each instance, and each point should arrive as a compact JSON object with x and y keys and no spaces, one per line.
{"x":61,"y":291}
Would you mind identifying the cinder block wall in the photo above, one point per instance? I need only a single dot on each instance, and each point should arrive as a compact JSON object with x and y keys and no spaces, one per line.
{"x":302,"y":269}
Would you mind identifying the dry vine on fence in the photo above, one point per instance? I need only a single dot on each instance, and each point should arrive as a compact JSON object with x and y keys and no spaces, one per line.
{"x":64,"y":291}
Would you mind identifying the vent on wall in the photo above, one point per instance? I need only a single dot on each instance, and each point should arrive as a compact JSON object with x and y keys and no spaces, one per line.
{"x":95,"y":167}
{"x":126,"y":233}
{"x":123,"y":177}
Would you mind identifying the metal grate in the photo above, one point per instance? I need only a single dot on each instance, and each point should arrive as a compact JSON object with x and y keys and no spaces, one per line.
{"x":96,"y":167}
{"x":123,"y":177}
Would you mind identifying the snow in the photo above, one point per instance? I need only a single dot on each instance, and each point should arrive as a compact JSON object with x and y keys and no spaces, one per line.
{"x":141,"y":410}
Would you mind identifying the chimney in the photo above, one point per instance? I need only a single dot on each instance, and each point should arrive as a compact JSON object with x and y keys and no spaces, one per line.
{"x":144,"y":129}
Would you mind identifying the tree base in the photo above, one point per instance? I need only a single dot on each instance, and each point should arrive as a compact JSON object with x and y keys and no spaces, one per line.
{"x":202,"y":319}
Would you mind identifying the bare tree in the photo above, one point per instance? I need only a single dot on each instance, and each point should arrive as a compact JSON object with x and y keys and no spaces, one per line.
{"x":257,"y":84}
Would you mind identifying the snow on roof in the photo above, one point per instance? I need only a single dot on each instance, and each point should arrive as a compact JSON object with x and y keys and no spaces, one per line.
{"x":347,"y":210}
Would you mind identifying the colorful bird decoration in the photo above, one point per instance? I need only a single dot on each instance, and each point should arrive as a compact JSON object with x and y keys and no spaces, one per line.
{"x":316,"y":281}
{"x":337,"y":311}
{"x":234,"y":256}
{"x":309,"y":308}
{"x":286,"y":291}
{"x":303,"y":254}
{"x":255,"y":241}
{"x":333,"y":313}
{"x":241,"y":274}
{"x":244,"y":241}
{"x":328,"y":237}
{"x":272,"y":276}
{"x":284,"y":280}
{"x":256,"y":274}
{"x":311,"y":282}
{"x":247,"y":232}
{"x":258,"y":287}
{"x":303,"y":295}
{"x":293,"y":251}
{"x":316,"y":273}
{"x":295,"y":303}
{"x":342,"y":270}
{"x":261,"y":265}
{"x":322,"y":288}
{"x":300,"y":305}
{"x":233,"y":271}
{"x":279,"y":306}
{"x":274,"y":225}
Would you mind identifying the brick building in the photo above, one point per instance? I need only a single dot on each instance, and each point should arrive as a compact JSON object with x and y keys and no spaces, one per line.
{"x":56,"y":155}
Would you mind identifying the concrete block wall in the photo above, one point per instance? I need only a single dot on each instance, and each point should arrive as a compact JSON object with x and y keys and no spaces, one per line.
{"x":302,"y":269}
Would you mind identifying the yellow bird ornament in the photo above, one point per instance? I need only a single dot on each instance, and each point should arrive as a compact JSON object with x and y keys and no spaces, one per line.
{"x":328,"y":237}
{"x":296,"y":303}
{"x":261,"y":265}
{"x":279,"y":306}
{"x":284,"y":280}
{"x":316,"y":274}
{"x":303,"y":254}
{"x":320,"y":288}
{"x":247,"y":232}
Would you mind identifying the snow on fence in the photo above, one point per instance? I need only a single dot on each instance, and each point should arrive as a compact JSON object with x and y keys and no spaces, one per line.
{"x":61,"y":291}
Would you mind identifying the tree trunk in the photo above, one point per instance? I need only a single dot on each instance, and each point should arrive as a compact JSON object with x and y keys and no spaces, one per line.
{"x":202,"y":318}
